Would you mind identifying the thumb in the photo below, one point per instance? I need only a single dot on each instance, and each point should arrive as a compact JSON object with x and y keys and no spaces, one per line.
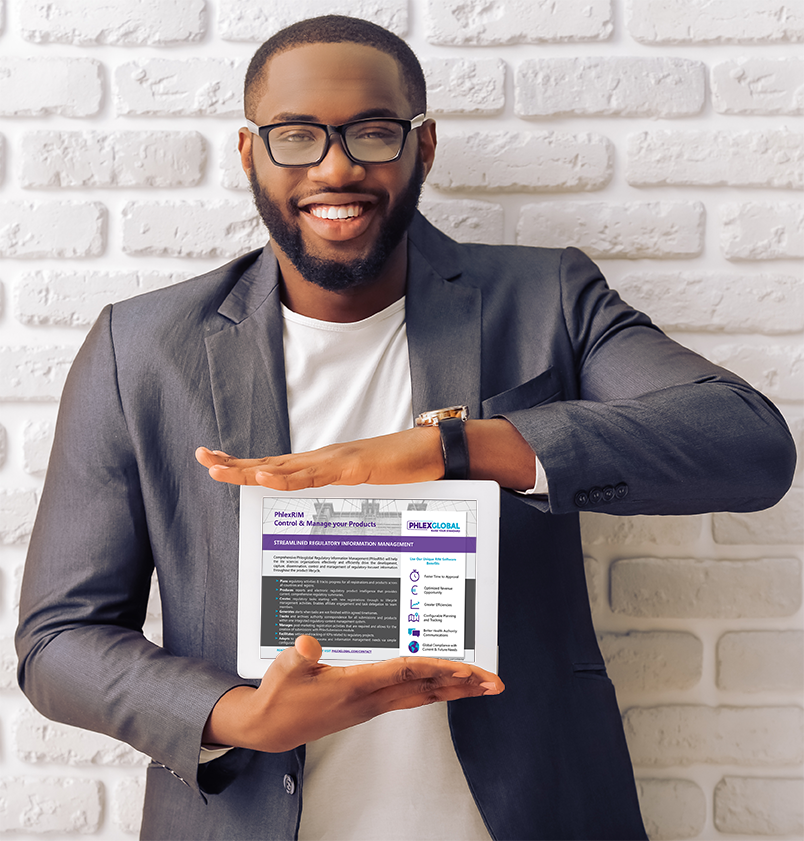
{"x":309,"y":648}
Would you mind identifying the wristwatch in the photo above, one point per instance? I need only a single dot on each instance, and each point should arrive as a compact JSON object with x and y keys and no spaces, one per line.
{"x":450,"y":423}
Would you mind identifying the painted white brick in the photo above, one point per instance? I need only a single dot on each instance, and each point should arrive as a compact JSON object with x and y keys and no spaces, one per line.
{"x":690,"y":21}
{"x":762,"y":230}
{"x":465,"y":86}
{"x":466,"y":221}
{"x":715,"y":302}
{"x":116,"y":22}
{"x":522,"y":161}
{"x":625,"y":86}
{"x":127,"y":800}
{"x":38,"y":740}
{"x":8,"y":663}
{"x":52,"y":229}
{"x":777,"y":372}
{"x":781,"y":524}
{"x":689,"y":734}
{"x":756,"y":661}
{"x":594,"y":582}
{"x":697,"y":589}
{"x":192,"y":229}
{"x":760,"y":806}
{"x":17,"y":513}
{"x":242,"y":20}
{"x":478,"y":22}
{"x":663,"y":531}
{"x":652,"y":661}
{"x":60,"y":805}
{"x":627,"y":231}
{"x":74,"y":299}
{"x":37,"y":441}
{"x":797,"y":430}
{"x":191,"y":87}
{"x":34,"y":374}
{"x":33,"y":87}
{"x":112,"y":159}
{"x":2,"y":158}
{"x":232,"y":175}
{"x":671,"y":809}
{"x":3,"y":445}
{"x":758,"y":86}
{"x":716,"y":158}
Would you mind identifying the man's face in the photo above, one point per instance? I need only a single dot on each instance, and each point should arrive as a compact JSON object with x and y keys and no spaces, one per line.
{"x":334,"y":84}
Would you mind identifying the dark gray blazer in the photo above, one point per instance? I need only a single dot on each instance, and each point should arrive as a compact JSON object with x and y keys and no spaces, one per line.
{"x":624,"y":420}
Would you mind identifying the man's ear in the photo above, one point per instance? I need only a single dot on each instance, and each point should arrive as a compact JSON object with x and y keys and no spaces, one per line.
{"x":427,"y":144}
{"x":244,"y":141}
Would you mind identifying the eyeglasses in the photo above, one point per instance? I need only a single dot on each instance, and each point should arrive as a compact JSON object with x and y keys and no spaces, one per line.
{"x":377,"y":140}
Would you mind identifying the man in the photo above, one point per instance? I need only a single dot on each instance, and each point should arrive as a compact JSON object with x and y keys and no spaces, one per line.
{"x":575,"y":401}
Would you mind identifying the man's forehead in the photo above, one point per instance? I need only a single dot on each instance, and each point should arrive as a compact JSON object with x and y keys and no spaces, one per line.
{"x":343,"y":78}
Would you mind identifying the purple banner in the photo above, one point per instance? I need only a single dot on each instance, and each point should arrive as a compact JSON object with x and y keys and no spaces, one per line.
{"x":369,"y":543}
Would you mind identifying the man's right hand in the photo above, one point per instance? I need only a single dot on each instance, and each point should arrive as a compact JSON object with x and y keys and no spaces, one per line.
{"x":300,"y":699}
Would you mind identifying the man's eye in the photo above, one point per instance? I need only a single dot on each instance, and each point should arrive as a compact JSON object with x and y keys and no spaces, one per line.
{"x":295,"y":136}
{"x":375,"y":132}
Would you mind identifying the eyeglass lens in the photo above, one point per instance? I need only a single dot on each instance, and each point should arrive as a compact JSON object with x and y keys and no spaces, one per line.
{"x":376,"y":141}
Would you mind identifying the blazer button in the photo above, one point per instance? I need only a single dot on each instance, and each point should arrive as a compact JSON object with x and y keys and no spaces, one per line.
{"x":608,"y":493}
{"x":595,"y":496}
{"x":582,"y":499}
{"x":290,"y":784}
{"x":621,"y":490}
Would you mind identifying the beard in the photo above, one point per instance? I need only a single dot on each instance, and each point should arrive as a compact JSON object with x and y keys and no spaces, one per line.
{"x":338,"y":275}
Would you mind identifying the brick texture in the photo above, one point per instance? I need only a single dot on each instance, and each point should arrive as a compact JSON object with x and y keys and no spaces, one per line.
{"x":127,"y":799}
{"x":652,"y":661}
{"x":476,"y":22}
{"x":690,"y":21}
{"x":626,"y":87}
{"x":758,"y":86}
{"x":117,"y":22}
{"x":50,"y":804}
{"x":34,"y":373}
{"x":464,"y":86}
{"x":762,"y":230}
{"x":782,"y":524}
{"x":191,"y":87}
{"x":717,"y":158}
{"x":760,"y":806}
{"x":52,"y":229}
{"x":522,"y":161}
{"x":466,"y":221}
{"x":33,"y":87}
{"x":112,"y":159}
{"x":757,"y":661}
{"x":777,"y":371}
{"x":37,"y":441}
{"x":665,"y":531}
{"x":3,"y":445}
{"x":671,"y":809}
{"x":685,"y":734}
{"x":766,"y":303}
{"x":625,"y":231}
{"x":689,"y":588}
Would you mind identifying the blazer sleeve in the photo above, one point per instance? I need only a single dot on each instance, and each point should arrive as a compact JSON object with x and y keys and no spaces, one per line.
{"x":83,"y":658}
{"x":657,"y":429}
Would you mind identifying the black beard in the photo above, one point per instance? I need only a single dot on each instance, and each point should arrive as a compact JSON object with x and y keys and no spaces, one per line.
{"x":335,"y":275}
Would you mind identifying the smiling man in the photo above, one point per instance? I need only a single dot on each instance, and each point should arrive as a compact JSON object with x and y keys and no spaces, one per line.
{"x":308,"y":361}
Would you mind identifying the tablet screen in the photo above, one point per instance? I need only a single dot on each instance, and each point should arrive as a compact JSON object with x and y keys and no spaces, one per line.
{"x":372,"y":572}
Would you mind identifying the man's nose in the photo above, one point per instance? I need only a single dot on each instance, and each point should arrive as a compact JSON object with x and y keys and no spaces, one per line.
{"x":337,"y":168}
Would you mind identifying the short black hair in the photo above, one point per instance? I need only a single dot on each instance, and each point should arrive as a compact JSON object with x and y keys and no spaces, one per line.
{"x":338,"y":29}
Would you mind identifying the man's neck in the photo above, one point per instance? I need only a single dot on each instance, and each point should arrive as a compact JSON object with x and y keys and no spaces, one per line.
{"x":355,"y":304}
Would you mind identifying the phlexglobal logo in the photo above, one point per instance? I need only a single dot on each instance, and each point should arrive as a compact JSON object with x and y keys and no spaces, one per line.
{"x":428,"y":526}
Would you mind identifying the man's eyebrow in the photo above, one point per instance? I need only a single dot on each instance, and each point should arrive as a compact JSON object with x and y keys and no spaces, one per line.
{"x":292,"y":117}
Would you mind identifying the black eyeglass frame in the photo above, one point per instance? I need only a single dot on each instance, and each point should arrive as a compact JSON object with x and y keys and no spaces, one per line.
{"x":407,"y":127}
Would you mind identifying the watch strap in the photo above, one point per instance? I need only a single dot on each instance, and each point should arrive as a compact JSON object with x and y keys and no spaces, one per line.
{"x":454,"y":448}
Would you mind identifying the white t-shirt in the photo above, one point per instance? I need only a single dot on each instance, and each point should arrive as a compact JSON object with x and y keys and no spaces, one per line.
{"x":396,"y":776}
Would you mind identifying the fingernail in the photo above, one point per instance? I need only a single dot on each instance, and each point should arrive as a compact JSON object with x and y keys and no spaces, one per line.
{"x":462,"y":673}
{"x":489,"y":685}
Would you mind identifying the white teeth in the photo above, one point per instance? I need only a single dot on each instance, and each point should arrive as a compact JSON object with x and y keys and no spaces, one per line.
{"x":340,"y":211}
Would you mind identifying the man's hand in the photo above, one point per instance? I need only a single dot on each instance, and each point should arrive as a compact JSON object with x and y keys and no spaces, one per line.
{"x":410,"y":456}
{"x":300,"y":699}
{"x":496,"y":451}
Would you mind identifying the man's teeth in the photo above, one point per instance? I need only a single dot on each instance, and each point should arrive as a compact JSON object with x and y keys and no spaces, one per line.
{"x":339,"y":211}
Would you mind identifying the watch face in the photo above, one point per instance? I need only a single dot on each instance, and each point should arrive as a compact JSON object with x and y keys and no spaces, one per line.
{"x":432,"y":418}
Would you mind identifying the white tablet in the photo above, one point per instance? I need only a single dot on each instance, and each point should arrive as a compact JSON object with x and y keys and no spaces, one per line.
{"x":371,"y":571}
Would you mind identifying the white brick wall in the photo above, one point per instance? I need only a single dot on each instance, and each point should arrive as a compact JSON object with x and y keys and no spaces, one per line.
{"x":662,"y":136}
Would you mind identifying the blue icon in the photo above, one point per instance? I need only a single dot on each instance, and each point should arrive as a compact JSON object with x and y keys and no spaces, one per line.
{"x":414,"y":605}
{"x":413,"y":647}
{"x":413,"y":617}
{"x":414,"y":632}
{"x":414,"y":575}
{"x":415,"y":589}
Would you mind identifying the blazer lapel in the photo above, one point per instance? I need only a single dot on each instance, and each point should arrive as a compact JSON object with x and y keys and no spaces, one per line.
{"x":247,"y":367}
{"x":443,"y":328}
